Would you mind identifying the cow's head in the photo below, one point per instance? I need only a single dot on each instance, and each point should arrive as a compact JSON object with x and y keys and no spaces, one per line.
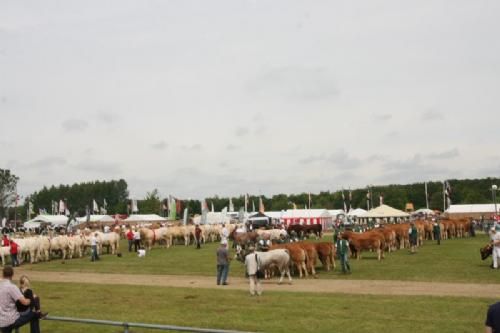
{"x":486,"y":251}
{"x":241,"y":253}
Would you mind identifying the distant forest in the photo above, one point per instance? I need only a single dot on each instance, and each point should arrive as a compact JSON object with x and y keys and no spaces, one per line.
{"x":115,"y":192}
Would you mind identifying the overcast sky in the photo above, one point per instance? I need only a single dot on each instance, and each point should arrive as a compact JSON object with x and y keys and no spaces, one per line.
{"x":197,"y":98}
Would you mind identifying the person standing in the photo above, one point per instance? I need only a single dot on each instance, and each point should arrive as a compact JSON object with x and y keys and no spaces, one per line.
{"x":10,"y":318}
{"x":493,"y":318}
{"x":496,"y":248}
{"x":343,"y":252}
{"x":224,"y":233}
{"x":197,"y":236}
{"x":93,"y":245}
{"x":130,"y":239}
{"x":436,"y":230}
{"x":413,"y":236}
{"x":252,"y":266}
{"x":5,"y":241}
{"x":222,"y":263}
{"x":137,"y":240}
{"x":13,"y":253}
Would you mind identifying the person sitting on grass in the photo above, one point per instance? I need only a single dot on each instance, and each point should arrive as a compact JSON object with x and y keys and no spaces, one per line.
{"x":34,"y":306}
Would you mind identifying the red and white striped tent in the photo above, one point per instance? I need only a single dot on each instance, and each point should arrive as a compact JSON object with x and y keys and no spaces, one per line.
{"x":307,"y":217}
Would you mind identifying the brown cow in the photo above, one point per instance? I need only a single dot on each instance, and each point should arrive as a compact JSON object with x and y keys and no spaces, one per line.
{"x":326,"y":253}
{"x":297,"y":255}
{"x":312,"y":256}
{"x":366,"y":241}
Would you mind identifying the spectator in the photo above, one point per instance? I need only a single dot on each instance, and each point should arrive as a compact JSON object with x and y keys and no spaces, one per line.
{"x":413,"y":235}
{"x":10,"y":318}
{"x":130,"y":238}
{"x":222,"y":263}
{"x":496,"y":248}
{"x":436,"y":229}
{"x":343,"y":252}
{"x":493,"y":318}
{"x":34,"y":306}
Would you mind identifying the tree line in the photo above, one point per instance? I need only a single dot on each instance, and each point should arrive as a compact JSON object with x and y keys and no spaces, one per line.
{"x":79,"y":197}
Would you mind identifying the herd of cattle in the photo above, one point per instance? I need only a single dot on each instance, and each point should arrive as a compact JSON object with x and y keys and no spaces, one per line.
{"x":303,"y":255}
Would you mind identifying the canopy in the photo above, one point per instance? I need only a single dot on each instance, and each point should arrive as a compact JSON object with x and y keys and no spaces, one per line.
{"x":474,"y":208}
{"x":336,"y":212}
{"x":356,"y":212}
{"x":384,"y":211}
{"x":136,"y":218}
{"x":424,"y":211}
{"x":50,"y":219}
{"x":96,"y":218}
{"x":213,"y":218}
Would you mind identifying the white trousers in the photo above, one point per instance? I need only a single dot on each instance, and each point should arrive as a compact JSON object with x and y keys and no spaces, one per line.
{"x":496,"y":256}
{"x":255,"y":286}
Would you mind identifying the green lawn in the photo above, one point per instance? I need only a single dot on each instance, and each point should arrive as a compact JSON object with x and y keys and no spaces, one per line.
{"x":454,"y":260}
{"x":272,"y":312}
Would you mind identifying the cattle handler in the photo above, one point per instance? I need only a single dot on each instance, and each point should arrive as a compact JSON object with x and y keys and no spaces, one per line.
{"x":436,"y":229}
{"x":413,"y":235}
{"x":343,"y":253}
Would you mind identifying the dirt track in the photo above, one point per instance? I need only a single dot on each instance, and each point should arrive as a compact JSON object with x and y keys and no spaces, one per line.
{"x":310,"y":285}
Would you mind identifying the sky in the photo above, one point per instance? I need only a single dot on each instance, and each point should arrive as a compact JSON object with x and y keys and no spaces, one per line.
{"x":197,"y":98}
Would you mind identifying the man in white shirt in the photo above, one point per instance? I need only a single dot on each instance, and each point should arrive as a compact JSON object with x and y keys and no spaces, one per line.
{"x":10,"y":318}
{"x":93,"y":245}
{"x":225,"y":233}
{"x":137,"y":240}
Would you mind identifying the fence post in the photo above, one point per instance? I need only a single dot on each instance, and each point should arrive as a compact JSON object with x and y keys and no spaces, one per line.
{"x":125,"y":327}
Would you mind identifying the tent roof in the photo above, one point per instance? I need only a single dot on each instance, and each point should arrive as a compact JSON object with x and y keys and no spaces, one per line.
{"x":356,"y":212}
{"x":145,"y":218}
{"x":52,"y":219}
{"x":213,"y":218}
{"x":385,"y":211}
{"x":96,"y":218}
{"x":335,"y":212}
{"x":474,"y":208}
{"x":423,"y":211}
{"x":306,"y":213}
{"x":275,"y":214}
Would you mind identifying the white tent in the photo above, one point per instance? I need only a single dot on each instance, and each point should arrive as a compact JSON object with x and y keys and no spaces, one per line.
{"x":423,"y":211}
{"x":213,"y":218}
{"x":384,"y":211}
{"x":54,"y":220}
{"x":473,"y":208}
{"x":356,"y":212}
{"x":96,"y":218}
{"x":336,"y":212}
{"x":136,"y":218}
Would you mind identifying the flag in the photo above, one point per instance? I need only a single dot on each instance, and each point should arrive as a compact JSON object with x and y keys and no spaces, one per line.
{"x":261,"y":206}
{"x":172,"y":208}
{"x":231,"y":206}
{"x":368,"y":199}
{"x":135,"y":208}
{"x":381,"y":199}
{"x":447,"y":192}
{"x":185,"y":217}
{"x":343,"y":199}
{"x":246,"y":202}
{"x":213,"y":210}
{"x":105,"y":204}
{"x":253,"y":206}
{"x":61,"y":207}
{"x":309,"y":200}
{"x":95,"y":207}
{"x":350,"y":200}
{"x":204,"y":205}
{"x":294,"y":205}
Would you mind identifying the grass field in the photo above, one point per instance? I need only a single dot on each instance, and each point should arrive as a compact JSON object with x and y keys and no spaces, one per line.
{"x":454,"y":260}
{"x":272,"y":312}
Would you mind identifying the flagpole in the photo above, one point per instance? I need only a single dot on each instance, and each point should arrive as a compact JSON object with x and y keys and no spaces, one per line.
{"x":444,"y":196}
{"x":426,"y":197}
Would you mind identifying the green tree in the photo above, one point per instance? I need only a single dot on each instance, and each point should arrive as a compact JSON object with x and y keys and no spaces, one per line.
{"x":8,"y":185}
{"x":151,"y":204}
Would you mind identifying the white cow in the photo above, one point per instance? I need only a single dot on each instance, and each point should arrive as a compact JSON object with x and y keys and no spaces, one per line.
{"x":111,"y":240}
{"x":4,"y":252}
{"x":60,"y":243}
{"x":43,"y":252}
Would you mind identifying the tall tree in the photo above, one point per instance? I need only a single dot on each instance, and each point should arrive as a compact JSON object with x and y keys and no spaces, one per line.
{"x":8,"y":185}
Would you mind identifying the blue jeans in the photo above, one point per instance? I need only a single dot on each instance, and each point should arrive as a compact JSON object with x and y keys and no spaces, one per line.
{"x":14,"y":260}
{"x":344,"y":262}
{"x":95,"y":256}
{"x":24,"y":318}
{"x":222,"y":271}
